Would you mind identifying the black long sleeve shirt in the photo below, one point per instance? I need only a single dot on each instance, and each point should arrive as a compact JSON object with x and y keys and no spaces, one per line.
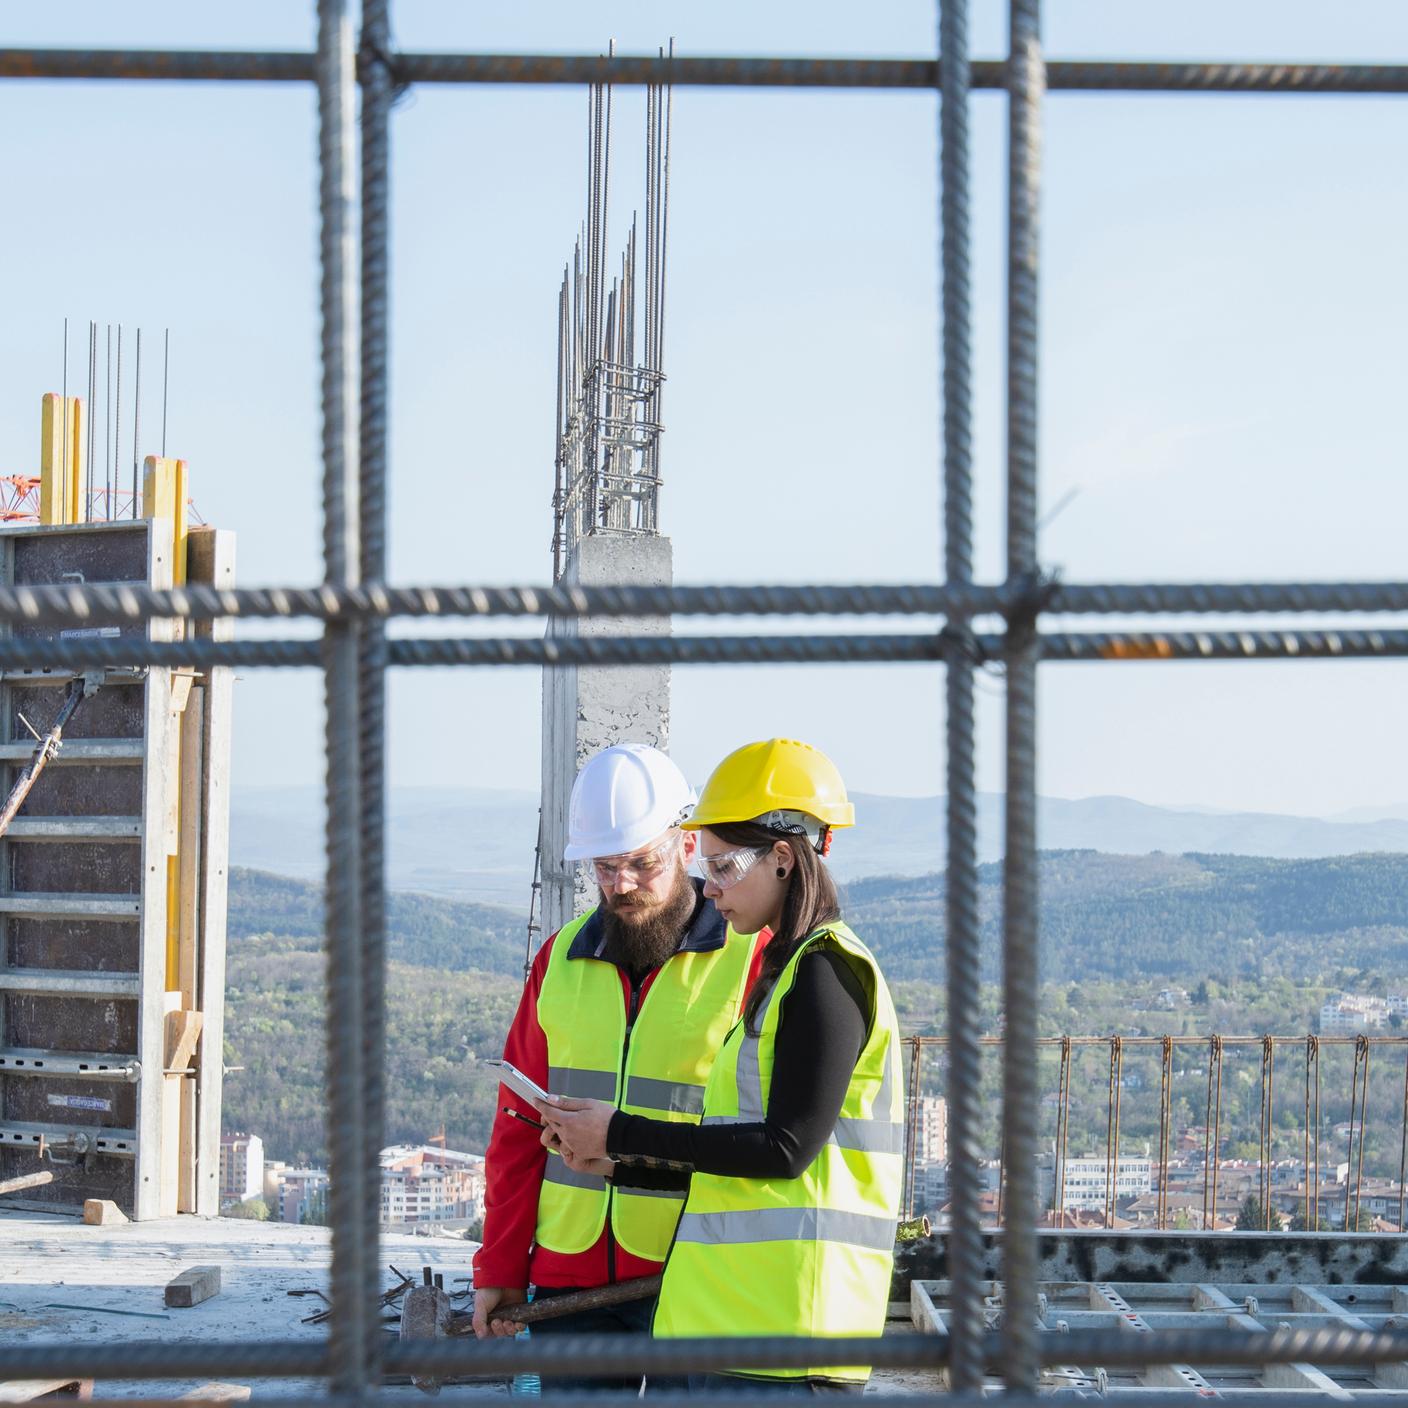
{"x":821,"y":1032}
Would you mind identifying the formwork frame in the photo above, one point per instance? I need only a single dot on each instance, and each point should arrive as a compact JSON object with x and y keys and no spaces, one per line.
{"x":354,"y":653}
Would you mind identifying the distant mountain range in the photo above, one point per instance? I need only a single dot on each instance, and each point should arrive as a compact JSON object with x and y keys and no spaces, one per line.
{"x":477,"y":844}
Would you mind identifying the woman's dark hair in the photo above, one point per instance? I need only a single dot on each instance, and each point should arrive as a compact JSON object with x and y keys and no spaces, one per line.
{"x":811,"y":902}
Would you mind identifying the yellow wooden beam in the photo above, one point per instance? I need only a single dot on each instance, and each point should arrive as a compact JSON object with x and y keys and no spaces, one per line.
{"x":60,"y":459}
{"x":164,"y":494}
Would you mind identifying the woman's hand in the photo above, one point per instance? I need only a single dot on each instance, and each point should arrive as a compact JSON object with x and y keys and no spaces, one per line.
{"x":577,"y":1125}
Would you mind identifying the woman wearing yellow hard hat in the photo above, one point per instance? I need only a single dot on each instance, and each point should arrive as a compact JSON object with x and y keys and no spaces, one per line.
{"x":794,"y":1173}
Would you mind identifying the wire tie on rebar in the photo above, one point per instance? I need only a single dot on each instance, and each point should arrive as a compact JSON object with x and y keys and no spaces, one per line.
{"x":959,"y":639}
{"x":370,"y":52}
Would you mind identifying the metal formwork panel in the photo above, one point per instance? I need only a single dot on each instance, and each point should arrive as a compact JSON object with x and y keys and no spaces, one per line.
{"x":84,"y":894}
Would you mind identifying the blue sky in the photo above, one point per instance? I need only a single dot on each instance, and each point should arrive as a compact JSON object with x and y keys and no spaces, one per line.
{"x":1222,"y":381}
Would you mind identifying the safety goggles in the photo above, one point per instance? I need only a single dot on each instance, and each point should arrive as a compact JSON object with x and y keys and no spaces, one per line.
{"x":727,"y":868}
{"x":641,"y":870}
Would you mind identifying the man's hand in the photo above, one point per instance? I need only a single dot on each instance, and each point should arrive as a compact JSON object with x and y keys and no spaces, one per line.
{"x":488,"y":1299}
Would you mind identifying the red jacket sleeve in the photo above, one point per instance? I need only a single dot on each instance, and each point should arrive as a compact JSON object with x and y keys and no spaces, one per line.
{"x":513,"y":1164}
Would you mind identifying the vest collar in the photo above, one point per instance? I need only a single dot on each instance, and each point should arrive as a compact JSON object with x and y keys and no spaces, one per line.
{"x":706,"y":932}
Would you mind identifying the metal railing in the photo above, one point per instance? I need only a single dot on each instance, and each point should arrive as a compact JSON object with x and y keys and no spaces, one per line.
{"x":354,"y":654}
{"x":1211,"y":1050}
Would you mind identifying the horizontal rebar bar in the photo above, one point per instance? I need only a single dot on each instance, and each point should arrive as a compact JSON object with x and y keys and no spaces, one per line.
{"x":1224,"y":645}
{"x":223,"y":65}
{"x":84,"y":653}
{"x":610,"y":1355}
{"x":99,"y":602}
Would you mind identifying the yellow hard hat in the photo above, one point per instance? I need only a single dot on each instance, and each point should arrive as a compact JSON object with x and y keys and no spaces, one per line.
{"x":764,"y":781}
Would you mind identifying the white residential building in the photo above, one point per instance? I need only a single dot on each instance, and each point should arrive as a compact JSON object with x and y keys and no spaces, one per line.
{"x":1086,"y":1179}
{"x":427,"y":1183}
{"x":241,"y":1167}
{"x":930,"y":1130}
{"x":1350,"y":1014}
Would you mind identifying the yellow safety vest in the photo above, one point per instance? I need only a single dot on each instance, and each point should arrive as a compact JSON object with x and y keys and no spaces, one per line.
{"x":796,"y":1256}
{"x":657,"y":1068}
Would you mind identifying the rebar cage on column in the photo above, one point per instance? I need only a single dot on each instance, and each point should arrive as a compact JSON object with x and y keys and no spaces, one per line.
{"x":355,"y":605}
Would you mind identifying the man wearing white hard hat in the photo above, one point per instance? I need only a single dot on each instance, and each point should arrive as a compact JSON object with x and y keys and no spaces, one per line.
{"x":627,"y":1003}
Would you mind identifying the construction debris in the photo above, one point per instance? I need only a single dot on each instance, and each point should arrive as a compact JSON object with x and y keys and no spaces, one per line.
{"x":193,"y":1286}
{"x":102,"y":1212}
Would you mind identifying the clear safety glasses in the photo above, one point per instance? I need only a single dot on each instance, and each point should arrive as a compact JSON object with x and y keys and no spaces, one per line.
{"x":640,"y":869}
{"x":727,"y":868}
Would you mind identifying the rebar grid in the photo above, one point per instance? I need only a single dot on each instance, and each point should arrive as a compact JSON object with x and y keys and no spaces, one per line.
{"x":354,"y":653}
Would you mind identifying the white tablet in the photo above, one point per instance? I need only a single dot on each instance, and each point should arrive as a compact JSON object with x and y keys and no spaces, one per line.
{"x":518,"y":1082}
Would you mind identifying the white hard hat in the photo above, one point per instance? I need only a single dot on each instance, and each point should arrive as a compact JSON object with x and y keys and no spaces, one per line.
{"x":625,"y":796}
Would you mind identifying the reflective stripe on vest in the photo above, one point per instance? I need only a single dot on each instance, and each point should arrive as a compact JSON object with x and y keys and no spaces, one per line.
{"x":693,"y":1001}
{"x":801,"y":1256}
{"x":786,"y":1225}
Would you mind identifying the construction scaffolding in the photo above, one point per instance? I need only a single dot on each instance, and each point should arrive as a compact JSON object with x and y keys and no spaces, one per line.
{"x":355,"y":604}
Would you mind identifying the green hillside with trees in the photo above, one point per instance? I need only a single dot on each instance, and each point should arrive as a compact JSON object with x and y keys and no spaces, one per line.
{"x":1257,"y":944}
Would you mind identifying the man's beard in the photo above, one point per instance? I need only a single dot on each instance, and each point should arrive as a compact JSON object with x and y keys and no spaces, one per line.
{"x":641,"y":931}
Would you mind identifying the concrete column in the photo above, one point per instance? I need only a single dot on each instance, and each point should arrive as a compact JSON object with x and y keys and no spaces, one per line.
{"x":586,"y":709}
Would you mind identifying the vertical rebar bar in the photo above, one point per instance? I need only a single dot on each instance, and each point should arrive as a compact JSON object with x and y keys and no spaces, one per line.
{"x":1361,"y":1053}
{"x":165,"y":385}
{"x":1314,"y":1042}
{"x":1207,"y":1136}
{"x":62,"y":477}
{"x":1063,"y":1129}
{"x":107,"y":419}
{"x":117,"y":430}
{"x":352,"y":1324}
{"x":1267,"y":1105}
{"x":1305,"y":1213}
{"x":86,"y":489}
{"x":372,"y":445}
{"x":136,"y":425}
{"x":916,"y":1058}
{"x":1165,"y":1123}
{"x":1403,"y":1145}
{"x":1112,"y":1152}
{"x":962,"y":924}
{"x":1216,"y":1127}
{"x":1026,"y":82}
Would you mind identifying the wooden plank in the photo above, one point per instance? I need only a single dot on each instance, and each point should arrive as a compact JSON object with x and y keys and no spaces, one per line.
{"x":101,"y":1212}
{"x":188,"y":922}
{"x":26,"y":1180}
{"x":211,"y":559}
{"x":182,"y":1032}
{"x":192,"y":1286}
{"x":219,"y":1393}
{"x":170,"y":1108}
{"x":154,"y":1164}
